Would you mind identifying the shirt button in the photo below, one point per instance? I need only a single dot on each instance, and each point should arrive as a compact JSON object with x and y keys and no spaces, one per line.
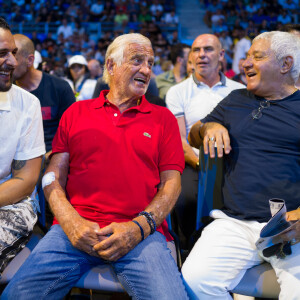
{"x":115,"y":114}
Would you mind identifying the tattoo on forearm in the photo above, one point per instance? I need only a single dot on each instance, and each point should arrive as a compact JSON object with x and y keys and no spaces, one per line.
{"x":18,"y":164}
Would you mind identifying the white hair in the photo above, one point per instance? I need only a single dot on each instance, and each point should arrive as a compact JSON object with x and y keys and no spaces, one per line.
{"x":284,"y":44}
{"x":115,"y":50}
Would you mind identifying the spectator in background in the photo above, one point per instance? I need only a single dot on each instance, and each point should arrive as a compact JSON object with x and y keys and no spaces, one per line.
{"x":156,"y":6}
{"x":241,"y":76}
{"x":189,"y":101}
{"x":121,"y":19}
{"x":54,"y":94}
{"x":240,"y":49}
{"x":284,"y":18}
{"x":252,"y":8}
{"x":94,"y":69}
{"x":189,"y":65}
{"x":179,"y":57}
{"x":144,"y":15}
{"x":171,"y":18}
{"x":65,"y":29}
{"x":97,"y":10}
{"x":173,"y":38}
{"x":78,"y":78}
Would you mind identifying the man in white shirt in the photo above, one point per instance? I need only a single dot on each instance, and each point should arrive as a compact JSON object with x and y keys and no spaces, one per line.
{"x":65,"y":29}
{"x":190,"y":101}
{"x":22,"y":147}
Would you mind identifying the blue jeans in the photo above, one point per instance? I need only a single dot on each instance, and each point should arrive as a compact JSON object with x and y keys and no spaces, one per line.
{"x":146,"y":272}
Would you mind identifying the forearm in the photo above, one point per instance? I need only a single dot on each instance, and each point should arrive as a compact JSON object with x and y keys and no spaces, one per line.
{"x":55,"y":192}
{"x":166,"y":197}
{"x":189,"y":154}
{"x":25,"y":175}
{"x":15,"y":190}
{"x":61,"y":207}
{"x":195,"y":138}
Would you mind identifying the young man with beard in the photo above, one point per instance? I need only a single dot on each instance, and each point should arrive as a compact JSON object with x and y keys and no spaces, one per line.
{"x":21,"y":150}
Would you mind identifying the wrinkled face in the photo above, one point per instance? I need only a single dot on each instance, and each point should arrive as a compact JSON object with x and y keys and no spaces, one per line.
{"x":189,"y":66}
{"x":206,"y":55}
{"x":8,"y":61}
{"x":77,"y":71}
{"x":132,"y":77}
{"x":22,"y":60}
{"x":262,"y":69}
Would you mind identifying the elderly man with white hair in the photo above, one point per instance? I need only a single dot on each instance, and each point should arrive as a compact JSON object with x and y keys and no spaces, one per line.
{"x":113,"y":177}
{"x":257,"y":131}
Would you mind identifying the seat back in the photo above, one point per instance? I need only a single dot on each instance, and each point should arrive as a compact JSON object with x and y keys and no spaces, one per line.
{"x":259,"y":281}
{"x":209,"y":186}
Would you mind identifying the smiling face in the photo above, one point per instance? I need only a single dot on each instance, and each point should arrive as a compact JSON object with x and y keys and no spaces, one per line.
{"x":206,"y":56}
{"x":262,"y":70}
{"x":132,"y":77}
{"x":8,"y":61}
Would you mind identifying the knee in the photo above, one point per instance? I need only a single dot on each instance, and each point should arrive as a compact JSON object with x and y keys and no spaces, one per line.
{"x":201,"y":282}
{"x":195,"y":275}
{"x":10,"y":292}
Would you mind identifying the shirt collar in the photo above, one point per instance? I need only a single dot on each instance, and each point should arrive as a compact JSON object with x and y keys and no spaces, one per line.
{"x":222,"y":79}
{"x":4,"y":101}
{"x":144,"y":106}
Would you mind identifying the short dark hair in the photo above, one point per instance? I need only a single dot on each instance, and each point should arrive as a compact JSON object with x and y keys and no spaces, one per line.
{"x":177,"y":51}
{"x":291,"y":27}
{"x":4,"y":24}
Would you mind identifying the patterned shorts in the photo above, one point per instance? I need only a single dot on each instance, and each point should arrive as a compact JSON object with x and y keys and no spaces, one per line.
{"x":16,"y":225}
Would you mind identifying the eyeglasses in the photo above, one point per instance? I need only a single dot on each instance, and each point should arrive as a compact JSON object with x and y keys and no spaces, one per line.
{"x":257,"y":113}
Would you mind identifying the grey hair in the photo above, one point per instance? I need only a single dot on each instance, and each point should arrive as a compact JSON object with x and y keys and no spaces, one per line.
{"x":115,"y":50}
{"x":284,"y":44}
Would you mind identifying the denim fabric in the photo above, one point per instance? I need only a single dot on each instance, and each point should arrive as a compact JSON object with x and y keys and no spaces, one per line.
{"x":146,"y":272}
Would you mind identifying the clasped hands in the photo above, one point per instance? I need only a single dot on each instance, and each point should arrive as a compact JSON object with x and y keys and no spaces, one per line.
{"x":108,"y":243}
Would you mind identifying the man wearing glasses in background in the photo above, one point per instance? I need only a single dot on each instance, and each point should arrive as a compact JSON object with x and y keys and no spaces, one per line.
{"x":258,"y":129}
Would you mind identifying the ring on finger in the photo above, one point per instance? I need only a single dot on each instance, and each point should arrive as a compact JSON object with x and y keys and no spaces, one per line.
{"x":212,"y":139}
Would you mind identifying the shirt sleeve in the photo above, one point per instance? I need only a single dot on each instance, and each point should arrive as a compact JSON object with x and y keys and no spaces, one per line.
{"x":31,"y":143}
{"x":174,"y":102}
{"x":171,"y":155}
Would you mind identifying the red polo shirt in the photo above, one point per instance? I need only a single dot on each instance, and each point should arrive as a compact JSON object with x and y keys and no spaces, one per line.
{"x":116,"y":159}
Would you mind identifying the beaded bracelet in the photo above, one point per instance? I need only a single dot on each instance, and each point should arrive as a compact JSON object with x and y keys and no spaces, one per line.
{"x":141,"y":228}
{"x":150,"y":220}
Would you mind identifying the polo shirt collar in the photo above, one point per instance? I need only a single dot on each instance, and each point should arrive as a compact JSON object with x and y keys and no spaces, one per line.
{"x":144,"y":106}
{"x":222,"y":79}
{"x":4,"y":101}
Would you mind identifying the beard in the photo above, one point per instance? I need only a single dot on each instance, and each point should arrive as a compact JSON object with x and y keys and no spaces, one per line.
{"x":6,"y":85}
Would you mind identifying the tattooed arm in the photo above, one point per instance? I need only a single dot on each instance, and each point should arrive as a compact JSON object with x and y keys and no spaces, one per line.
{"x":25,"y":174}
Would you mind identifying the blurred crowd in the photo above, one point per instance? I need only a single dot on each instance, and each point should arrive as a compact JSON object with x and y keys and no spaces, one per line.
{"x":234,"y":22}
{"x":72,"y":19}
